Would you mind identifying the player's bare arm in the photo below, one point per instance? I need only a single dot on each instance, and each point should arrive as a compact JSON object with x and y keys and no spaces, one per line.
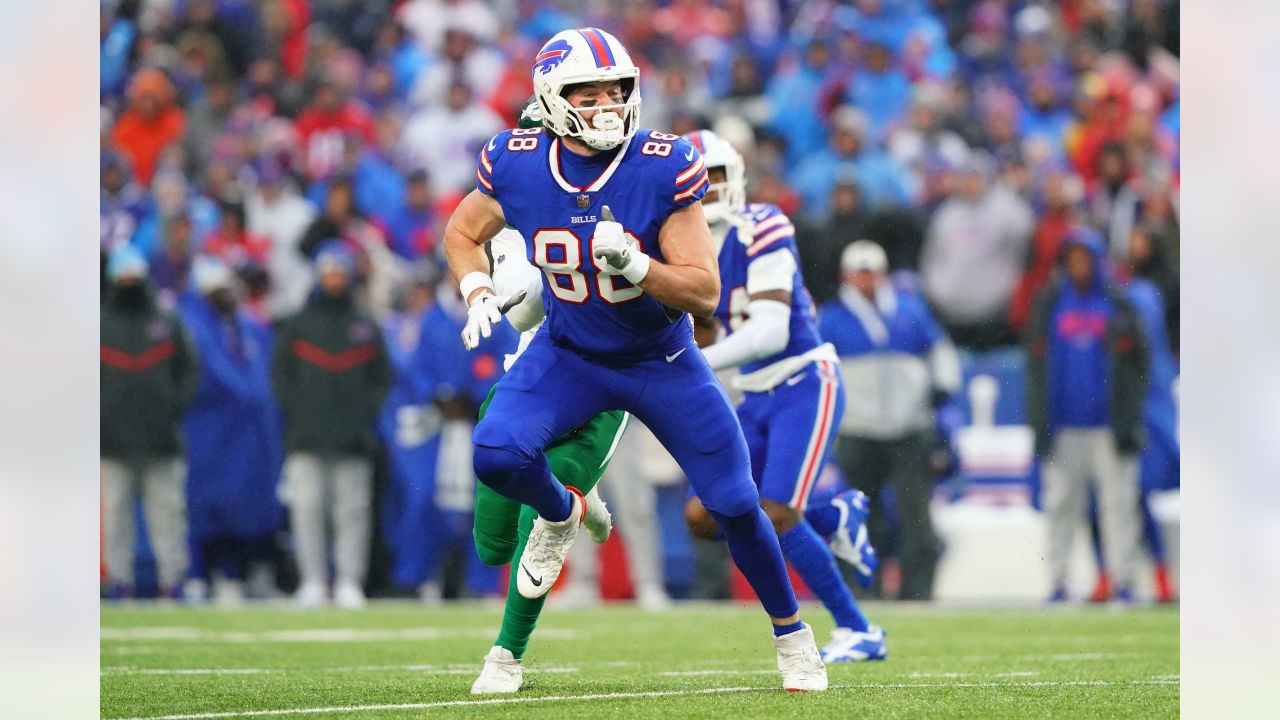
{"x":477,"y":219}
{"x":689,"y":279}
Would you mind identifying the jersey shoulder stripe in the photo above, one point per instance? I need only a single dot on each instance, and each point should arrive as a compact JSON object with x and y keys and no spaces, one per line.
{"x":501,"y":150}
{"x":680,"y":158}
{"x":772,"y":227}
{"x":692,"y":171}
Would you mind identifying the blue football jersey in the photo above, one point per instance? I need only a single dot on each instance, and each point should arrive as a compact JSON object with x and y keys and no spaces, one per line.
{"x":773,"y":233}
{"x":553,"y":197}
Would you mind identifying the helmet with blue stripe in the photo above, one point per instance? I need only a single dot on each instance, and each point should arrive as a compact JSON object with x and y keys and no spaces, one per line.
{"x":576,"y":57}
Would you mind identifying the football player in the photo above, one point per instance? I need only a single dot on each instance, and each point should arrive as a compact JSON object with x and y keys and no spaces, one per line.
{"x":612,"y":215}
{"x":793,"y":396}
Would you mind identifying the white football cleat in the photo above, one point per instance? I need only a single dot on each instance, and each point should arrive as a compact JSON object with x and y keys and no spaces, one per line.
{"x":849,"y":645}
{"x":544,"y":553}
{"x":798,"y":661}
{"x":502,"y":673}
{"x":598,"y":522}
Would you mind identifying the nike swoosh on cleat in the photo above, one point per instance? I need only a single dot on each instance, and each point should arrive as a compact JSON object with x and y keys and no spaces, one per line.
{"x":671,"y":358}
{"x":537,"y":581}
{"x":690,"y":155}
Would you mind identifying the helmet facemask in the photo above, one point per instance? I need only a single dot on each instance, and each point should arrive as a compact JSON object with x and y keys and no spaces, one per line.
{"x":609,"y":127}
{"x":731,"y":194}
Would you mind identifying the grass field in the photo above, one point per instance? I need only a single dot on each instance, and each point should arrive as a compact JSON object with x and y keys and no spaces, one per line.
{"x":698,"y":661}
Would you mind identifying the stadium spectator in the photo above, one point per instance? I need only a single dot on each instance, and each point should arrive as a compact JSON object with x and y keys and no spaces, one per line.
{"x":122,"y":202}
{"x":170,"y":264}
{"x":922,"y":137}
{"x":1114,"y":193}
{"x":234,"y":439}
{"x":375,"y":180}
{"x":330,"y":374}
{"x":232,"y":243}
{"x":246,"y":253}
{"x":274,"y":210}
{"x":207,"y":119}
{"x":171,"y":196}
{"x":974,"y":252}
{"x":463,"y":60}
{"x":678,"y":93}
{"x":883,"y":181}
{"x":1045,"y":118}
{"x":880,"y":89}
{"x":430,"y":20}
{"x":339,"y":219}
{"x":150,"y":124}
{"x":898,"y":366}
{"x":325,"y":126}
{"x":794,"y":97}
{"x":411,"y":227}
{"x":118,"y":32}
{"x":1153,"y":248}
{"x":147,"y":378}
{"x":1087,"y":377}
{"x":1060,"y":201}
{"x":447,"y":138}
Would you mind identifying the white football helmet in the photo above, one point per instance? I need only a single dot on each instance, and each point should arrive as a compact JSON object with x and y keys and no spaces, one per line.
{"x":732,"y":193}
{"x":586,"y":55}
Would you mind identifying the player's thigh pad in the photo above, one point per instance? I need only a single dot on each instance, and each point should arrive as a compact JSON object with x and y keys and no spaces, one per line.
{"x":687,"y":410}
{"x":803,"y":419}
{"x":547,"y":393}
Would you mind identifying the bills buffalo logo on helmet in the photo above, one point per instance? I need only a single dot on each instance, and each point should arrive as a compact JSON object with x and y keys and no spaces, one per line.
{"x":553,"y":53}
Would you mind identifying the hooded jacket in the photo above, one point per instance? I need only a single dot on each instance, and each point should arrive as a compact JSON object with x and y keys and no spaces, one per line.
{"x":148,"y":374}
{"x":331,"y":374}
{"x":1087,"y":357}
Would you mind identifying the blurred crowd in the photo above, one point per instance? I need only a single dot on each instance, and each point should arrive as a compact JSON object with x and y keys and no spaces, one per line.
{"x":249,"y":147}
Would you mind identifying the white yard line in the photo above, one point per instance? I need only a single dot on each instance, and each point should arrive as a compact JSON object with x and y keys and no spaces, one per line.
{"x":450,"y":703}
{"x":436,"y":669}
{"x":627,"y":695}
{"x":315,"y":635}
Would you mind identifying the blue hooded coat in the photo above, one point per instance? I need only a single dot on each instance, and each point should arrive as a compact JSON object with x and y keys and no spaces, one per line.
{"x":233,"y":427}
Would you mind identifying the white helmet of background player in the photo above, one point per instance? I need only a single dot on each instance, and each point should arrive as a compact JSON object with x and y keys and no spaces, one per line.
{"x":586,"y":55}
{"x":732,"y":193}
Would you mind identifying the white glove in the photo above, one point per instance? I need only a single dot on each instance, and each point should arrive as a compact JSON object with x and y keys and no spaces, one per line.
{"x":483,"y":313}
{"x":618,"y":249}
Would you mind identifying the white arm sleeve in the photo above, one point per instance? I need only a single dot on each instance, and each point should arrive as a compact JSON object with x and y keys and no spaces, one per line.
{"x":775,"y":271}
{"x":765,"y":332}
{"x":513,"y":273}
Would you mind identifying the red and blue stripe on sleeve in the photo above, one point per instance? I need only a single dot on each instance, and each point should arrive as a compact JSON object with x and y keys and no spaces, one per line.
{"x":484,"y":169}
{"x":691,"y":182}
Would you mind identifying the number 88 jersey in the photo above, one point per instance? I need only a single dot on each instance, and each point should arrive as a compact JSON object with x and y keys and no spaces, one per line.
{"x":553,"y":197}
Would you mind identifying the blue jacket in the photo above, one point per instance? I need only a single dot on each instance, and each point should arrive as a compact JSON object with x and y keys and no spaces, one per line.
{"x":233,"y":427}
{"x":1087,"y":357}
{"x":453,"y":371}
